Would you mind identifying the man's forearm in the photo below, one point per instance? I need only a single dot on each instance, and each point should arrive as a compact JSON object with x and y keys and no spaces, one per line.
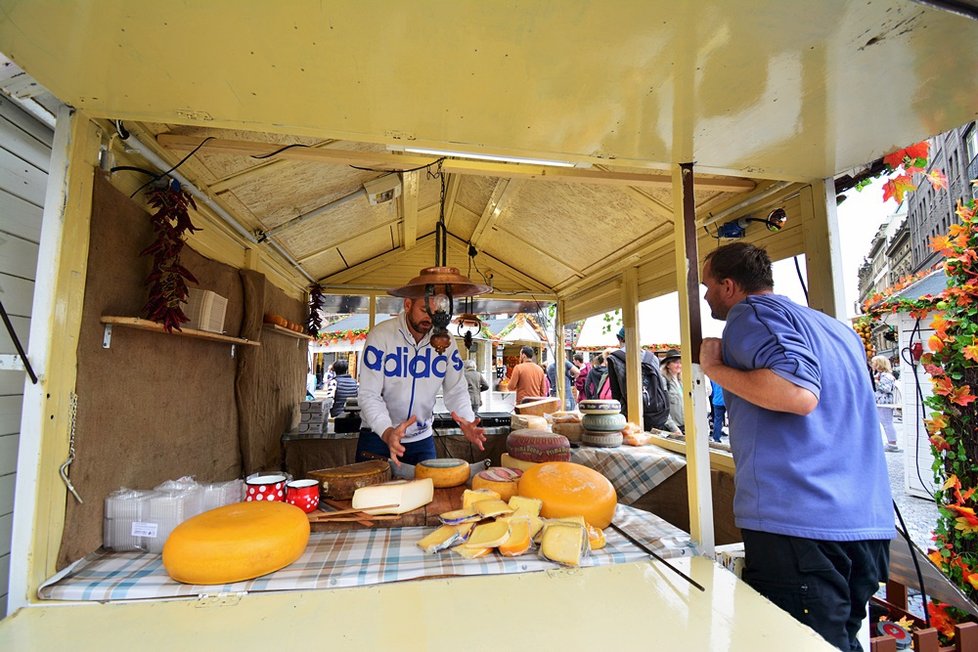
{"x":764,"y":388}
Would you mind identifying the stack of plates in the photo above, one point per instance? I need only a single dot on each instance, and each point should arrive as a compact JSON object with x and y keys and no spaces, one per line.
{"x":603,"y":423}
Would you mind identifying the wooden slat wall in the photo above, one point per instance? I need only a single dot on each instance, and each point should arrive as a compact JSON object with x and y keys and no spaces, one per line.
{"x":25,"y":151}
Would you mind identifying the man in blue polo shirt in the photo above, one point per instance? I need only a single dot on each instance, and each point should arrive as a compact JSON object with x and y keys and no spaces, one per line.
{"x":812,"y":492}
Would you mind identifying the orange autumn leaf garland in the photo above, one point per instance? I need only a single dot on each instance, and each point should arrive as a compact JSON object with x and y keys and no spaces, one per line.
{"x":951,"y":360}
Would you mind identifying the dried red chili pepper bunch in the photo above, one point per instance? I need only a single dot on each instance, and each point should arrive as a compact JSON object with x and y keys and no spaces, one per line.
{"x":168,"y":279}
{"x":316,"y":303}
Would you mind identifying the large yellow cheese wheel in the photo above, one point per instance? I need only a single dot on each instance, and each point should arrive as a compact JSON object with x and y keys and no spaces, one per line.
{"x":236,"y":542}
{"x":569,"y":489}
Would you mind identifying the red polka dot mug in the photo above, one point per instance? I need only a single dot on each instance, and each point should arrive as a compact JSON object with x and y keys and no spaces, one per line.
{"x":267,"y":488}
{"x":304,"y":494}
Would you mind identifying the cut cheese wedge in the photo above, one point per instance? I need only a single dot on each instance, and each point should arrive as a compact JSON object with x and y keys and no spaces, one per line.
{"x":440,"y":539}
{"x":490,"y":508}
{"x":472,"y":496}
{"x":564,"y":543}
{"x":458,"y":516}
{"x":519,"y":538}
{"x":405,"y":495}
{"x":488,"y":535}
{"x":503,"y":480}
{"x":525,"y":506}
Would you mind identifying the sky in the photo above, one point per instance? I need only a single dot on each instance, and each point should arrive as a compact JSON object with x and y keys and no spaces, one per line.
{"x":860,"y":215}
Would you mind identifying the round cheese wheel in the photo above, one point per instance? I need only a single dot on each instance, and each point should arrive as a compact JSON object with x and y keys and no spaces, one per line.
{"x":602,"y":439}
{"x":504,"y":481}
{"x":341,"y":482}
{"x":236,"y":542}
{"x":538,"y":446}
{"x":444,"y":472}
{"x":604,"y":422}
{"x":569,"y":489}
{"x":511,"y":462}
{"x":599,"y":406}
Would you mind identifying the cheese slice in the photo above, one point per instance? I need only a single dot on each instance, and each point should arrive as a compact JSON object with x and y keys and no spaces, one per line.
{"x":472,"y":496}
{"x":471,"y":553}
{"x":464,"y":531}
{"x":564,"y":543}
{"x":405,"y":495}
{"x":440,"y":539}
{"x":525,"y":506}
{"x":490,"y":508}
{"x":457,"y":516}
{"x":519,"y":538}
{"x":488,"y":535}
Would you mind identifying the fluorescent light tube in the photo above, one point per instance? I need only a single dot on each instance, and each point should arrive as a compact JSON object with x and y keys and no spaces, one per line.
{"x":489,"y":157}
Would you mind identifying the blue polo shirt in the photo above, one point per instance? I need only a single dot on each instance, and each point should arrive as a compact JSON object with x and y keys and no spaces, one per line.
{"x":819,"y":476}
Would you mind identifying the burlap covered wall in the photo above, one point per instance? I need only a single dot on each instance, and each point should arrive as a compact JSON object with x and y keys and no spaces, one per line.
{"x":153,"y":406}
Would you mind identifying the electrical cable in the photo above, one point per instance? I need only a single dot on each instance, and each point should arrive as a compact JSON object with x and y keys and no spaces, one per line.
{"x":182,"y":161}
{"x":132,"y":168}
{"x":916,"y":564}
{"x":420,"y":167}
{"x":17,"y":345}
{"x":279,"y":151}
{"x":800,"y":279}
{"x":906,"y":354}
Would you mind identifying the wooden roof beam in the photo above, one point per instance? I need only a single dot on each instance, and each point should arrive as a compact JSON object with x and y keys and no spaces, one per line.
{"x":409,"y":209}
{"x":395,"y":162}
{"x":502,"y":194}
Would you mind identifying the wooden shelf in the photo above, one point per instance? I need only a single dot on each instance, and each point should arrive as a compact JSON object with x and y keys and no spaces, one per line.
{"x":275,"y":328}
{"x":147,"y":325}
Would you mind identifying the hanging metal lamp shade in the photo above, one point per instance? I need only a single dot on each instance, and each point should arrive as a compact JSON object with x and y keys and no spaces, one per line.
{"x":438,"y":278}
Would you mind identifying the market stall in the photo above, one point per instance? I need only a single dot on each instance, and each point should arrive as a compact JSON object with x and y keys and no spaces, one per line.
{"x":602,"y":207}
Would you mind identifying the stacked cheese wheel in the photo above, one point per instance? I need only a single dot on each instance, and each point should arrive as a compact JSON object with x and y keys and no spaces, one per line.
{"x":537,"y":446}
{"x":602,"y":423}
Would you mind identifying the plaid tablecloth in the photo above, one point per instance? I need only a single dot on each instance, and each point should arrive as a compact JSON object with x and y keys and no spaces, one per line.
{"x":633,"y":470}
{"x":348,"y":559}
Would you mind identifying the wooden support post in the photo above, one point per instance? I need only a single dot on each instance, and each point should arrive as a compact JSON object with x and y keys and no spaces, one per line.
{"x":633,"y":349}
{"x":823,"y":258}
{"x":882,"y":644}
{"x":925,"y":640}
{"x":966,"y":637}
{"x":896,"y":594}
{"x":559,"y":371}
{"x":372,"y":319}
{"x":691,"y":333}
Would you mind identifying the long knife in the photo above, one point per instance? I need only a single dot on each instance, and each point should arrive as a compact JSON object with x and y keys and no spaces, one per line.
{"x":645,"y":548}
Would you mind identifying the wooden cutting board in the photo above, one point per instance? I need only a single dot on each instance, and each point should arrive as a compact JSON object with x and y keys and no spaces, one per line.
{"x":445,"y":500}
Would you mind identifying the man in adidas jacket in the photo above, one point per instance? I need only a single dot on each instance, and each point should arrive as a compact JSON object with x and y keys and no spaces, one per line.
{"x":400,"y":375}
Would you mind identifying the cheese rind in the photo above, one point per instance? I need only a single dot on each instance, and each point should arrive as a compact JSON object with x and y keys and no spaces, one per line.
{"x":519,"y":538}
{"x":405,"y":494}
{"x":569,"y":489}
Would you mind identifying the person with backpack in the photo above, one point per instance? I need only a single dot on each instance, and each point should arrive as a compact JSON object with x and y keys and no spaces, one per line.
{"x":597,"y":378}
{"x":655,"y":400}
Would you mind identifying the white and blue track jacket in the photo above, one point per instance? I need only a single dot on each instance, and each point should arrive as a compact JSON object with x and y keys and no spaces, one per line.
{"x":399,"y":378}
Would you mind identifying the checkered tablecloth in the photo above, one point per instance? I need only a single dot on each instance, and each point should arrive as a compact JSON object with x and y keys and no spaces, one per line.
{"x":347,"y":559}
{"x":633,"y":470}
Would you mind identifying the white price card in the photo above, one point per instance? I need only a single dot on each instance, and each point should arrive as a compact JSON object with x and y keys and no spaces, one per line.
{"x":144,"y":529}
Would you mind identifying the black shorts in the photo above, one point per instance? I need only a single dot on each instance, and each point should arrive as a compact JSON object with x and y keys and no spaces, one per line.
{"x":822,"y":584}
